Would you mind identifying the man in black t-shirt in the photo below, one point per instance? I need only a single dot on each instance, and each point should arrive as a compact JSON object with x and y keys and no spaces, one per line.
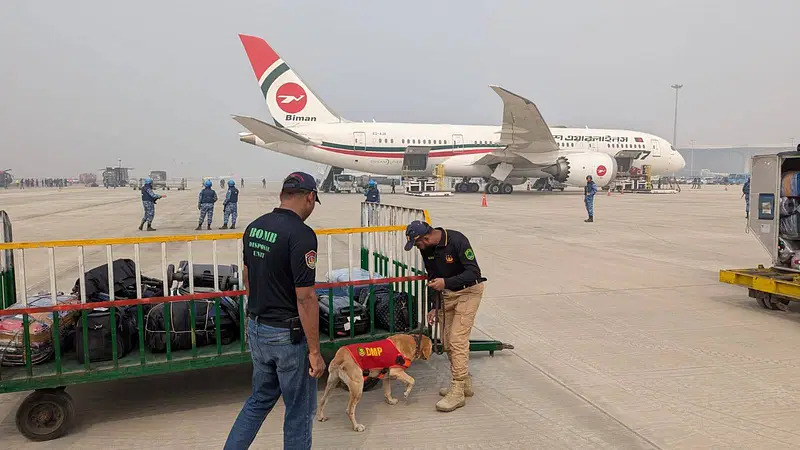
{"x":280,"y":258}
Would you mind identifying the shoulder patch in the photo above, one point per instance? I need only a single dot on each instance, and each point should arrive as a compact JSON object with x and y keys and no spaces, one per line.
{"x":469,"y":254}
{"x":311,"y":259}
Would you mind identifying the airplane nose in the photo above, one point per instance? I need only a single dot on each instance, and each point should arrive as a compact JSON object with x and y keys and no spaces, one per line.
{"x":681,"y":163}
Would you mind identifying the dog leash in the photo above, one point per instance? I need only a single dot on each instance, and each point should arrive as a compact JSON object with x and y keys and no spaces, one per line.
{"x":438,"y":328}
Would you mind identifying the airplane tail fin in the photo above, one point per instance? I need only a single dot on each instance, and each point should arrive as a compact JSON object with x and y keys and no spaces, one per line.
{"x":290,"y":101}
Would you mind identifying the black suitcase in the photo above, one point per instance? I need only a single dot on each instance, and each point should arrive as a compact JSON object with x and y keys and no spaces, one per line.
{"x":180,"y":324}
{"x":99,"y":334}
{"x":204,"y":275}
{"x":341,"y":316}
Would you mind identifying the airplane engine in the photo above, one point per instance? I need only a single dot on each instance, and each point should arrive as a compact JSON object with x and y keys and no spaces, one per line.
{"x":572,"y":169}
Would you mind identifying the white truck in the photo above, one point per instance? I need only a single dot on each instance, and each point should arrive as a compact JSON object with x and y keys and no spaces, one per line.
{"x":344,"y":183}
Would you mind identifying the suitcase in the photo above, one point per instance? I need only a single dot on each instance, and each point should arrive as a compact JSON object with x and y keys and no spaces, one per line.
{"x":204,"y":275}
{"x":790,"y":226}
{"x":790,"y":184}
{"x":99,"y":334}
{"x":789,"y":206}
{"x":341,"y":316}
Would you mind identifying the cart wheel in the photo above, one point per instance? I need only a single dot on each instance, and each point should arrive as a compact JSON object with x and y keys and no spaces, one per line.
{"x":45,"y":414}
{"x":775,"y":304}
{"x":761,"y":303}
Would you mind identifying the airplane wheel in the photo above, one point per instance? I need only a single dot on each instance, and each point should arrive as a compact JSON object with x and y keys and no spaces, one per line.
{"x":493,"y":188}
{"x":474,"y":187}
{"x":462,"y":187}
{"x":507,"y":188}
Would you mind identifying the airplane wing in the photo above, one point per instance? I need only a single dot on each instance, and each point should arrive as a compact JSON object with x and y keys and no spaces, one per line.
{"x":270,"y":133}
{"x":524,"y":130}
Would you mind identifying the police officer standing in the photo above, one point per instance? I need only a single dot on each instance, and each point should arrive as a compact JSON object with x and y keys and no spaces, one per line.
{"x":746,"y":195}
{"x":205,"y":203}
{"x":372,"y":193}
{"x":280,"y":257}
{"x":453,"y":271}
{"x":149,"y":198}
{"x":230,"y":206}
{"x":588,"y":197}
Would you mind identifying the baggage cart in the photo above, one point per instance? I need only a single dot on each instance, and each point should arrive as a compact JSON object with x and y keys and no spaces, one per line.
{"x":48,"y":411}
{"x":773,"y":219}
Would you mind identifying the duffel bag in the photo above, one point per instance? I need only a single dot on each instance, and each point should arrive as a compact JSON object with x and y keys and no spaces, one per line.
{"x":99,"y":332}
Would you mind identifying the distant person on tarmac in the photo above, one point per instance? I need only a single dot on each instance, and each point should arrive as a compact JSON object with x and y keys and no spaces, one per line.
{"x":264,"y":183}
{"x":588,"y":197}
{"x":205,"y":203}
{"x":394,"y":183}
{"x":222,"y":183}
{"x":746,"y":195}
{"x":230,"y":206}
{"x":241,"y":182}
{"x":149,"y":198}
{"x":372,"y":193}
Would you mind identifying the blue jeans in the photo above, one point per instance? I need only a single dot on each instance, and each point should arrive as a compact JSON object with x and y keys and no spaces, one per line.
{"x":279,"y":368}
{"x":589,"y":201}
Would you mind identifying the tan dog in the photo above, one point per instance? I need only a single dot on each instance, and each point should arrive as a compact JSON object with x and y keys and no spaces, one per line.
{"x":346,"y":369}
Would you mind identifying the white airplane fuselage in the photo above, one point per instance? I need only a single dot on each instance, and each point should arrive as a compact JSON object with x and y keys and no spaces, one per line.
{"x":379,"y":148}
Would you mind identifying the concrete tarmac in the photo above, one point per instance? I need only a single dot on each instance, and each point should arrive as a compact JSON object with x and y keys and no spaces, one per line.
{"x":624,"y":337}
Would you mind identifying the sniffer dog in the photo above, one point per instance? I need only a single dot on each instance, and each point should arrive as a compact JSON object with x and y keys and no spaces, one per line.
{"x":386,"y":359}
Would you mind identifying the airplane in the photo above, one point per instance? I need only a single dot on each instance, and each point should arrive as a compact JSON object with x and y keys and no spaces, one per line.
{"x":522,"y":147}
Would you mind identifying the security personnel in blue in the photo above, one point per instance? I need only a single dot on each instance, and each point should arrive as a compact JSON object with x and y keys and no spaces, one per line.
{"x":746,"y":195}
{"x":149,"y":198}
{"x":372,"y":193}
{"x":452,"y":270}
{"x":230,"y":206}
{"x":280,"y":259}
{"x":205,"y":203}
{"x":588,"y":197}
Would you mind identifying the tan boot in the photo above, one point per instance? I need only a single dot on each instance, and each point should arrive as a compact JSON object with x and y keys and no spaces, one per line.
{"x":454,"y":399}
{"x":468,"y":392}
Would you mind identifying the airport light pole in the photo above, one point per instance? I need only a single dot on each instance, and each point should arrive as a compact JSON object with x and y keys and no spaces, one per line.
{"x":675,"y":123}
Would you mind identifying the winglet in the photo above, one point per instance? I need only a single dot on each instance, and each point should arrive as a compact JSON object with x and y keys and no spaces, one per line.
{"x":261,"y":55}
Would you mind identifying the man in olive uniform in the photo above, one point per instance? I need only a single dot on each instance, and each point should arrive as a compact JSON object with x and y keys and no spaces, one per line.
{"x":453,"y":271}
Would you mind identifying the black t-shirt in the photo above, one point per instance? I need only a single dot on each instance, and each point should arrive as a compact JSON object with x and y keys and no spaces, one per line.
{"x":453,"y":260}
{"x":280,"y":252}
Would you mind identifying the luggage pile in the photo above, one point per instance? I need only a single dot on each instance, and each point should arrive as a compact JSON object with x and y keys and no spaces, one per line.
{"x":361,"y":305}
{"x":99,"y":330}
{"x":12,"y":349}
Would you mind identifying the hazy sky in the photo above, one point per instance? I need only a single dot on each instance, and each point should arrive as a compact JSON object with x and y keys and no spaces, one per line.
{"x":154,"y":82}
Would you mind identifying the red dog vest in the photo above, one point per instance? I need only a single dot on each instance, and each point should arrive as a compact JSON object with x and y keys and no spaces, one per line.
{"x":377,"y":355}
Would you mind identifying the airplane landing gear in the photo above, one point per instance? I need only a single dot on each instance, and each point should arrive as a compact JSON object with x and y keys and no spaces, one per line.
{"x":467,"y":186}
{"x":494,"y":187}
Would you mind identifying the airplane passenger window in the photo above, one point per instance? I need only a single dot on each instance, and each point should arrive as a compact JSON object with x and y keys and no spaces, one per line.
{"x":392,"y":140}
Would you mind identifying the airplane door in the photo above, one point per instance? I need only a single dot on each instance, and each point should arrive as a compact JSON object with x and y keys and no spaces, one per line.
{"x":458,"y":142}
{"x":359,"y":140}
{"x":655,"y":148}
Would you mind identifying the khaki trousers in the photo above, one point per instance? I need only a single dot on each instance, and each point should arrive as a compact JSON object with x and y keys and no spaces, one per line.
{"x":459,"y":314}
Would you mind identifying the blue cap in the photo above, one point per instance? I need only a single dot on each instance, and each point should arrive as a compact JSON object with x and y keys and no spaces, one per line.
{"x":372,"y":182}
{"x":414,"y":231}
{"x":148,"y":181}
{"x":207,"y":183}
{"x":231,"y":182}
{"x":303,"y":181}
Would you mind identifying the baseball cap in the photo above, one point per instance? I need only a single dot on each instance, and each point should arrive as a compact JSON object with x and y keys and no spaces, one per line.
{"x":414,"y":230}
{"x":301,"y":180}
